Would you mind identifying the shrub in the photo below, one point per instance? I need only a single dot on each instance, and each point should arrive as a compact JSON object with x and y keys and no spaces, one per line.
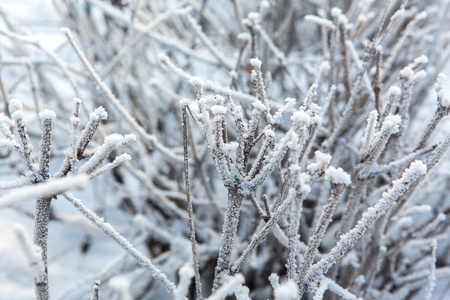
{"x":235,"y":186}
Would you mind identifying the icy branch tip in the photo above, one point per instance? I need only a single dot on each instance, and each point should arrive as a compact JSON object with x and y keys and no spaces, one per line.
{"x":417,"y":167}
{"x":114,"y":140}
{"x":423,"y":59}
{"x":325,"y":66}
{"x":406,"y":72}
{"x":420,"y":75}
{"x":338,"y":176}
{"x":101,"y":113}
{"x":244,"y":36}
{"x":300,"y":117}
{"x":335,"y":12}
{"x":269,"y":133}
{"x":15,"y":105}
{"x":218,"y":110}
{"x":394,"y":90}
{"x":65,"y":30}
{"x":196,"y":81}
{"x":183,"y":103}
{"x":255,"y":62}
{"x":286,"y":291}
{"x":322,"y":157}
{"x":392,"y":123}
{"x":187,"y":271}
{"x":253,"y":17}
{"x":264,"y":4}
{"x":77,"y":101}
{"x":129,"y":139}
{"x":421,"y":16}
{"x":163,"y":58}
{"x":47,"y":115}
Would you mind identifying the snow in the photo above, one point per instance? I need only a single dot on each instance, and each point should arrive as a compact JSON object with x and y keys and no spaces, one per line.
{"x":391,"y":123}
{"x":255,"y":62}
{"x":244,"y":36}
{"x":407,"y":72}
{"x":419,"y":75}
{"x":301,"y":117}
{"x":196,"y":81}
{"x":286,"y":291}
{"x":15,"y":105}
{"x":258,"y":105}
{"x":394,"y":90}
{"x":65,"y":30}
{"x":423,"y":59}
{"x":338,"y":176}
{"x":219,"y":110}
{"x":47,"y":115}
{"x":336,"y":12}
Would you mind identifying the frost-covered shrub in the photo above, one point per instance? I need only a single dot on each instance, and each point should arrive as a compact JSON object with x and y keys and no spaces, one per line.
{"x":284,"y":149}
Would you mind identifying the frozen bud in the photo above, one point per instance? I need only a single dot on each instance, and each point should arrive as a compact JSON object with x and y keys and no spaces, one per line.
{"x":255,"y":63}
{"x":98,"y":114}
{"x":301,"y":117}
{"x":114,"y":140}
{"x":195,"y":81}
{"x":406,"y":73}
{"x":423,"y":59}
{"x":163,"y":58}
{"x":253,"y":17}
{"x":259,"y":105}
{"x":394,"y":90}
{"x":218,"y":110}
{"x":391,"y":124}
{"x":15,"y":105}
{"x":335,"y":12}
{"x":286,"y":291}
{"x":270,"y":133}
{"x":420,"y":75}
{"x":65,"y":30}
{"x":47,"y":115}
{"x":183,"y":103}
{"x":338,"y":176}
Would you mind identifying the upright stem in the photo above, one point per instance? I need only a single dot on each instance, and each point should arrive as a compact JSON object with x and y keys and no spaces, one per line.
{"x":42,"y":217}
{"x":198,"y":284}
{"x":229,"y":230}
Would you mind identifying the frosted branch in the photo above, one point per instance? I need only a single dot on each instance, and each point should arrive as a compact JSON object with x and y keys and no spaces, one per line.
{"x":411,"y":175}
{"x":122,"y":242}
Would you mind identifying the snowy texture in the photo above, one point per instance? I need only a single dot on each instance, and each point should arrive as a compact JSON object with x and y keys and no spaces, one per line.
{"x":47,"y":115}
{"x":338,"y":176}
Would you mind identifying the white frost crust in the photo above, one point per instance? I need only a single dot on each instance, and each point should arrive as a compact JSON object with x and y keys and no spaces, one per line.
{"x":338,"y":176}
{"x":15,"y":105}
{"x":286,"y":291}
{"x":47,"y":115}
{"x":407,"y":72}
{"x":255,"y":62}
{"x":259,"y":105}
{"x":391,"y":123}
{"x":196,"y":81}
{"x":219,"y":110}
{"x":394,"y":90}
